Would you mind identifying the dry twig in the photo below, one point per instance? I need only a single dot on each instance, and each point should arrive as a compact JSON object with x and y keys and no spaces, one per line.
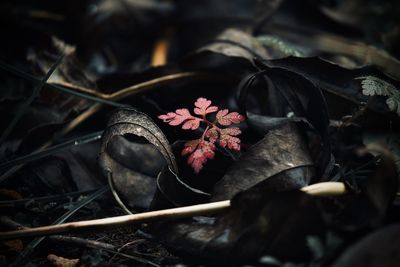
{"x":320,"y":189}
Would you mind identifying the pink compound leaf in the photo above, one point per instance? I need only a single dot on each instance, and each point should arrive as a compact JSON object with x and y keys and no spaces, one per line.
{"x":181,"y":116}
{"x":167,"y":117}
{"x":190,"y":147}
{"x":228,"y":138}
{"x":225,"y":118}
{"x":191,"y":124}
{"x":212,"y":134}
{"x":201,"y":150}
{"x":203,"y":107}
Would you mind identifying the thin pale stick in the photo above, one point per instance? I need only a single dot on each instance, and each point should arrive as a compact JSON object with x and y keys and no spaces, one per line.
{"x":137,"y":88}
{"x":321,"y":189}
{"x":117,"y":221}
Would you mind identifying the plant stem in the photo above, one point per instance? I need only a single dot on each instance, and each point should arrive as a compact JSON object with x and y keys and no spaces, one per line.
{"x":204,"y":133}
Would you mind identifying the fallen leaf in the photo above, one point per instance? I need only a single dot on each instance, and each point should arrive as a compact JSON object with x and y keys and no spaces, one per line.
{"x":279,"y":151}
{"x":126,"y":122}
{"x":58,"y":261}
{"x":380,"y":248}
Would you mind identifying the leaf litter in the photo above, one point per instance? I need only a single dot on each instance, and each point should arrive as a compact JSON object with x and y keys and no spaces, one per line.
{"x":288,"y":156}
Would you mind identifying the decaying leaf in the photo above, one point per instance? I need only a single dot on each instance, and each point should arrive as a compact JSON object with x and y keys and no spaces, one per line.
{"x":281,"y":150}
{"x":131,"y":122}
{"x":377,"y":192}
{"x":231,"y":45}
{"x":135,"y":183}
{"x":381,"y":248}
{"x":55,"y":174}
{"x":302,"y":99}
{"x":58,"y":261}
{"x":337,"y":81}
{"x":382,"y":185}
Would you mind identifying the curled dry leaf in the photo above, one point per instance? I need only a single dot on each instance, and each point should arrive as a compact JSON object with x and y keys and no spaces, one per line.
{"x":234,"y":46}
{"x":302,"y":96}
{"x":281,"y":150}
{"x":132,"y":122}
{"x":342,"y":82}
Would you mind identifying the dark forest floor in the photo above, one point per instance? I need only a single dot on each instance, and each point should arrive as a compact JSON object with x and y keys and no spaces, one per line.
{"x":274,"y":123}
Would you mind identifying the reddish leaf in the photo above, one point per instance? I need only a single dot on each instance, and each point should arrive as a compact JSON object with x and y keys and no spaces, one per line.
{"x":200,"y":151}
{"x":191,"y":124}
{"x":190,"y":146}
{"x":225,"y":118}
{"x":203,"y":107}
{"x":234,"y":131}
{"x":228,"y":139}
{"x":212,"y":134}
{"x":180,"y":116}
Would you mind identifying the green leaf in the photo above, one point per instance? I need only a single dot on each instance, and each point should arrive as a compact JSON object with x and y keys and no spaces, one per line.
{"x":374,"y":86}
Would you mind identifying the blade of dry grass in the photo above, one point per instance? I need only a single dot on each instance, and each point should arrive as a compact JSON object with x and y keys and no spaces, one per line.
{"x":21,"y":111}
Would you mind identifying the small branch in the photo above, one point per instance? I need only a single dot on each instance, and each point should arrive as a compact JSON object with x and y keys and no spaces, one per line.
{"x":321,"y":189}
{"x":117,"y":221}
{"x":137,"y":88}
{"x":325,"y":189}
